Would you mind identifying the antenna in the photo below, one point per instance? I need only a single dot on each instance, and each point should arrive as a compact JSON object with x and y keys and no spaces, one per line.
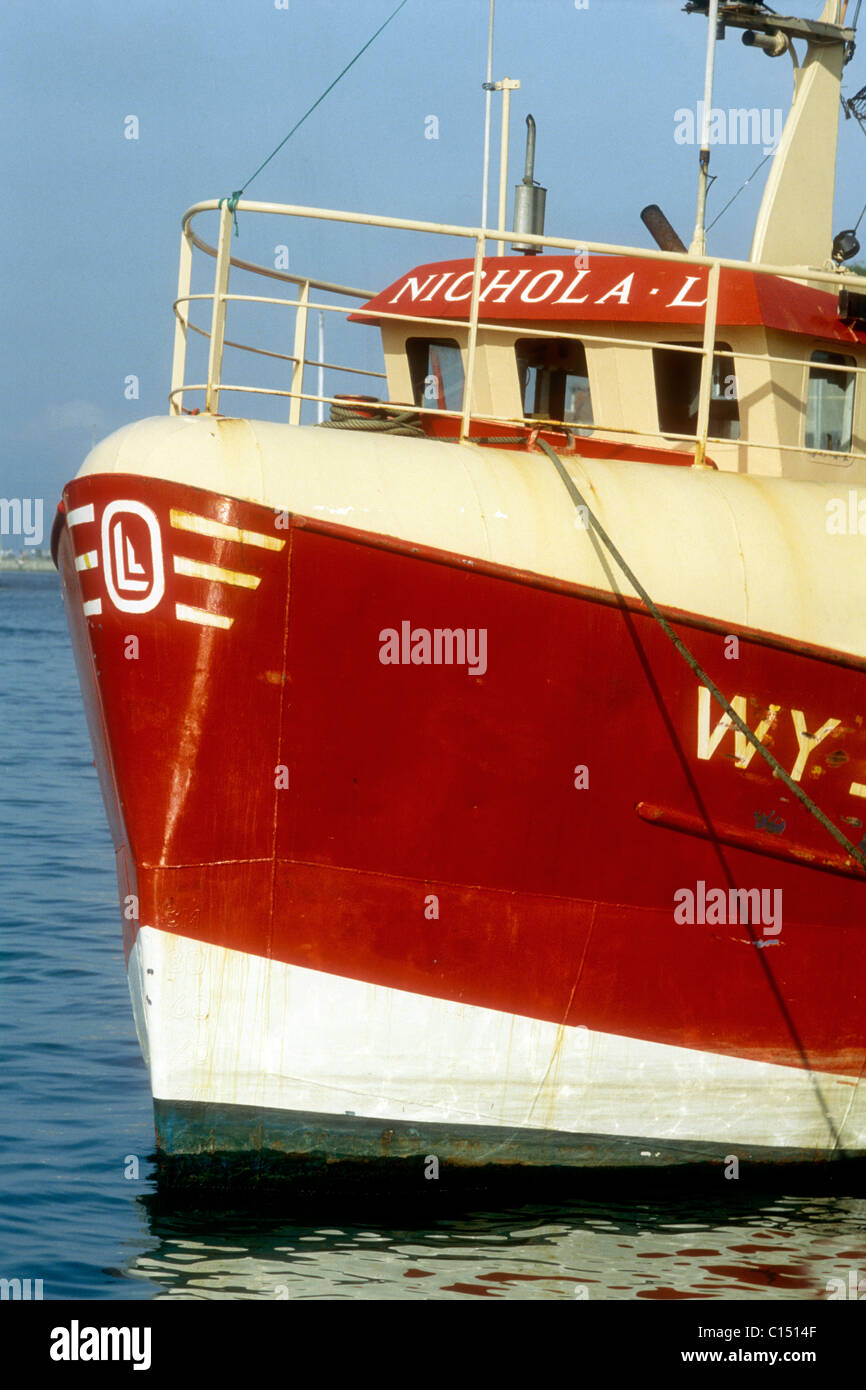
{"x":488,"y":90}
{"x":699,"y":240}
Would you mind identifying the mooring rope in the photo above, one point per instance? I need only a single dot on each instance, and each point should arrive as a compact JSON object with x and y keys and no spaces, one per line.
{"x":802,"y":796}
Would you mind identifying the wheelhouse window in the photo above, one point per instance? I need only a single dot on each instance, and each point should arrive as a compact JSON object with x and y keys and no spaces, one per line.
{"x":678,"y":391}
{"x":436,"y":369}
{"x":830,"y":402}
{"x":554,"y":384}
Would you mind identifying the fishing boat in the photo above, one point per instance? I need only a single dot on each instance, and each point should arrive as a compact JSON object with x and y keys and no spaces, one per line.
{"x":486,"y":764}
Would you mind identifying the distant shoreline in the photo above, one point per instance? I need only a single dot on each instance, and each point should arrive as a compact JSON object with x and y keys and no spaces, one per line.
{"x":39,"y":564}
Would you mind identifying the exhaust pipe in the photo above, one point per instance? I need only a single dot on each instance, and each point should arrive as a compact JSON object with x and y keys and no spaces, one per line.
{"x":661,"y":230}
{"x":529,"y":198}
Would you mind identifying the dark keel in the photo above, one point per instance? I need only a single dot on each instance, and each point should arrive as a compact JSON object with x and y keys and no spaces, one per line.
{"x":203,"y":1145}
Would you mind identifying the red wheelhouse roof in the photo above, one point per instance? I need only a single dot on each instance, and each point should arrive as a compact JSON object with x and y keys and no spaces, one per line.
{"x":623,"y":289}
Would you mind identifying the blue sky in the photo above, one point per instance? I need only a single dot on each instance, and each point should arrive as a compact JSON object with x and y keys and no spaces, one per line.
{"x":91,"y":219}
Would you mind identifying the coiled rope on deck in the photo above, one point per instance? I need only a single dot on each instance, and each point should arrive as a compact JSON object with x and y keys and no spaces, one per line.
{"x":802,"y":796}
{"x":387,"y":421}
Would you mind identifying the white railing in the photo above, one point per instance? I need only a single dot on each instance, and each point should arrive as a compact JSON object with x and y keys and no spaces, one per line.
{"x":220,"y":298}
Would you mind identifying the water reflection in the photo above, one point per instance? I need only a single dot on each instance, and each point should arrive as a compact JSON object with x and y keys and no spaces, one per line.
{"x":780,"y":1248}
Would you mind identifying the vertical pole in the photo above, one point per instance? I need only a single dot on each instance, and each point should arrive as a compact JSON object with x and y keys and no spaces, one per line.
{"x":218,"y":318}
{"x":321,"y":388}
{"x":473,"y":336}
{"x":699,"y":240}
{"x":299,"y":352}
{"x":181,"y":324}
{"x":488,"y":90}
{"x":506,"y":86}
{"x":480,"y":240}
{"x":710,"y":314}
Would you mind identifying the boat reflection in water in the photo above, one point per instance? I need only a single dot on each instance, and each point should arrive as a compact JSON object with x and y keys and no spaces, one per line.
{"x":751,"y":1247}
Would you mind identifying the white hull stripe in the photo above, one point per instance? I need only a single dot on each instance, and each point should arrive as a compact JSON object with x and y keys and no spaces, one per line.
{"x":204,"y":526}
{"x":88,"y":561}
{"x":228,"y":1028}
{"x":79,"y":515}
{"x":197,"y":569}
{"x":200,"y":616}
{"x":92,"y":607}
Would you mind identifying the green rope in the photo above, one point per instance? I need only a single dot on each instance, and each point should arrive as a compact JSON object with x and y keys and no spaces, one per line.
{"x":232,"y":202}
{"x":801,"y":795}
{"x":232,"y":205}
{"x":386,"y":421}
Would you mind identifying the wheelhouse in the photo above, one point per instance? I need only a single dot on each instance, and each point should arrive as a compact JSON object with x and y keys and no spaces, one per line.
{"x":625,"y":363}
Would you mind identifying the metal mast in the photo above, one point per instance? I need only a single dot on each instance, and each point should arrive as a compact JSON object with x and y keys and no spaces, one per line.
{"x":699,"y":240}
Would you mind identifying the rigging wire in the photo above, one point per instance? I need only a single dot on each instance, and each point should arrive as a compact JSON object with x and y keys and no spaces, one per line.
{"x":743,"y":185}
{"x":232,"y":202}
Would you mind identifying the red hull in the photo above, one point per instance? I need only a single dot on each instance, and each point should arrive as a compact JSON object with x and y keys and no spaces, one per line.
{"x":408,"y":781}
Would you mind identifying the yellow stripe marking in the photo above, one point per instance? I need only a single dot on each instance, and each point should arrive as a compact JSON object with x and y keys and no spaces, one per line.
{"x":201,"y":616}
{"x":203,"y":526}
{"x":88,"y":561}
{"x":197,"y":569}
